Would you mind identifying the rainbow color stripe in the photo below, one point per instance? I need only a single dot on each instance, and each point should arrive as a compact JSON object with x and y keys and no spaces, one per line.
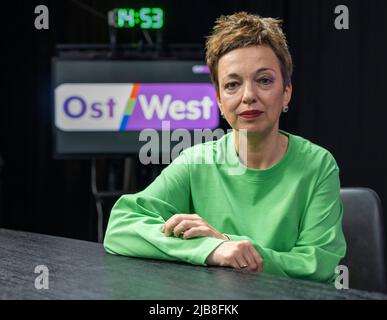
{"x":130,"y":106}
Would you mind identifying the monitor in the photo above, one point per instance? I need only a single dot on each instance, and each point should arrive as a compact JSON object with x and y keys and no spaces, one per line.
{"x":101,"y":107}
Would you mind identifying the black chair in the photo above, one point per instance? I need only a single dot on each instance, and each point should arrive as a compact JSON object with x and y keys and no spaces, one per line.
{"x":363,"y":226}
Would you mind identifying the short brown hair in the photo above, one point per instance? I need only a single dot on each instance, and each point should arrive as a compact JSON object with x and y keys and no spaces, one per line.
{"x":241,"y":30}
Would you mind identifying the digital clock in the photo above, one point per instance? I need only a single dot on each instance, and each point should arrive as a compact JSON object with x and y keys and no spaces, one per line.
{"x":144,"y":18}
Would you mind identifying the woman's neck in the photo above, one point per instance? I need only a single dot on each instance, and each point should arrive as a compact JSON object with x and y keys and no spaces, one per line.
{"x":260,"y":151}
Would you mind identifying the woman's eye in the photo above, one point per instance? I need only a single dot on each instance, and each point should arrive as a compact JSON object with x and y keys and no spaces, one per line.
{"x":231,"y":85}
{"x":265,"y":81}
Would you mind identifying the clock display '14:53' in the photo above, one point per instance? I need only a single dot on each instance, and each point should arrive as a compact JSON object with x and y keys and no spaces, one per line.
{"x":145,"y":18}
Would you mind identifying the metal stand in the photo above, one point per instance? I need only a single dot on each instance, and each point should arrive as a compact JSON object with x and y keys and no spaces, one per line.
{"x":128,"y":183}
{"x":113,"y":42}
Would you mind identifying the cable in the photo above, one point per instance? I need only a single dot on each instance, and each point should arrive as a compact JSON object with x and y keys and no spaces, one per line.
{"x":147,"y":37}
{"x":90,"y":9}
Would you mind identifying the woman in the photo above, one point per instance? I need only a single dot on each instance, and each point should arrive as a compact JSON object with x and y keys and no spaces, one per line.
{"x":282,"y":214}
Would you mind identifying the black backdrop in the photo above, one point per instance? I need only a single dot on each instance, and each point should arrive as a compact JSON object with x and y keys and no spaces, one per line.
{"x":339,"y":99}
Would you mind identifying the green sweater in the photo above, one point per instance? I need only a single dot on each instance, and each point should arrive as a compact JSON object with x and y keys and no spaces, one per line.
{"x":291,"y":212}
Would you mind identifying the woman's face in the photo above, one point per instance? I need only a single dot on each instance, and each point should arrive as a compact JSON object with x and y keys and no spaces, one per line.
{"x":251,"y":92}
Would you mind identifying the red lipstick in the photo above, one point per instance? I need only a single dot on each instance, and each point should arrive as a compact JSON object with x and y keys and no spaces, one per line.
{"x":250,"y":114}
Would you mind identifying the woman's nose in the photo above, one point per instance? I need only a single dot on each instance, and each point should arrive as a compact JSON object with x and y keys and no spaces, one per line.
{"x":249,"y":94}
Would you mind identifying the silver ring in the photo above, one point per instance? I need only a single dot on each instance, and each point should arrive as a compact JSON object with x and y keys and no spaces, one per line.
{"x":244,"y":266}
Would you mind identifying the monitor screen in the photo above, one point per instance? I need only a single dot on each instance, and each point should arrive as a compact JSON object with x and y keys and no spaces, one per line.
{"x":102,"y":107}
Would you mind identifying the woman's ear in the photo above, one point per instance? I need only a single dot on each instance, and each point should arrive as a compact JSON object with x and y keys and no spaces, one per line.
{"x":218,"y":101}
{"x":287,"y":94}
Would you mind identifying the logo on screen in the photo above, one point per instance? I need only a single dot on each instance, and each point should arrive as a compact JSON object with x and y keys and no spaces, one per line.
{"x":133,"y":106}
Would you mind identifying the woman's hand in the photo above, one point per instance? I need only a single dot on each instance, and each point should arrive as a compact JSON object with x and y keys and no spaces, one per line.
{"x":238,"y":255}
{"x":190,"y":226}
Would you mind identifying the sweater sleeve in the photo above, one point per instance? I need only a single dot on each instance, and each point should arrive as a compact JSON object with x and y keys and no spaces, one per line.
{"x":320,"y":245}
{"x":135,"y":222}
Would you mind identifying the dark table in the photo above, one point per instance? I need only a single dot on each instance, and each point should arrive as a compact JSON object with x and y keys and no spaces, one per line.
{"x":82,"y":270}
